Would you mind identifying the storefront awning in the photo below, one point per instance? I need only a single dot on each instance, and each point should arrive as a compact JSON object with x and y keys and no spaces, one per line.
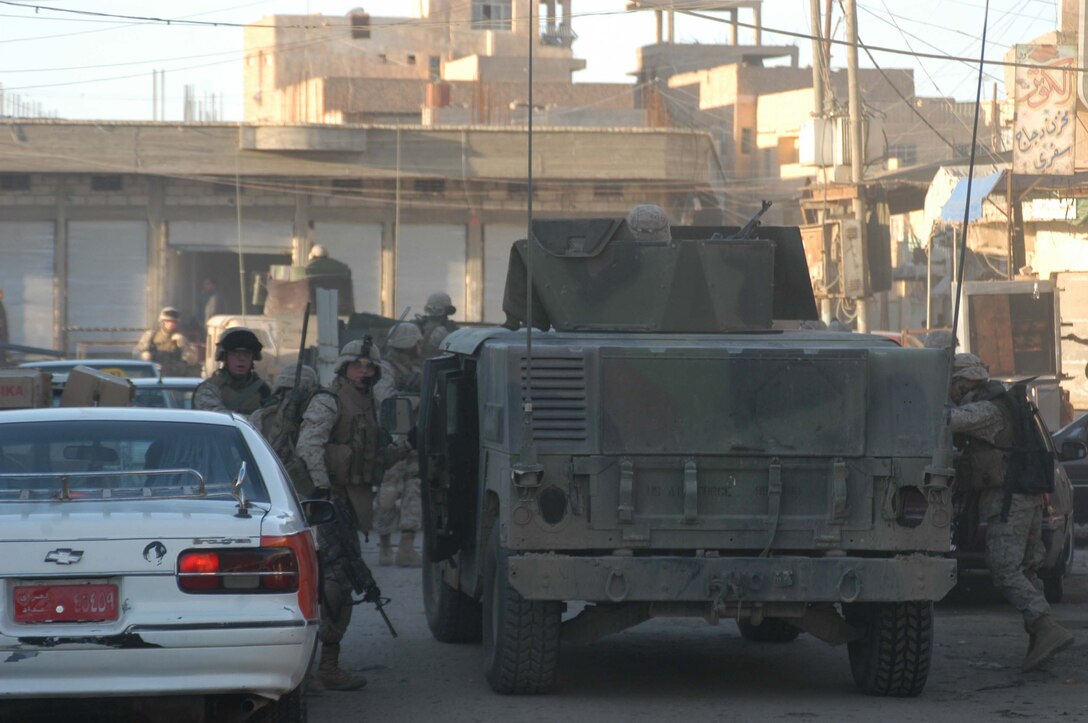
{"x":952,"y":211}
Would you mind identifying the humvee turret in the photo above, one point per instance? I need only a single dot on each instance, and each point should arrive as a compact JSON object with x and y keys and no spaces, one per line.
{"x":687,"y":452}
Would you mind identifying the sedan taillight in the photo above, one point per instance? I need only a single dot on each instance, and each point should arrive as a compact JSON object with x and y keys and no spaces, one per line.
{"x":280,"y":564}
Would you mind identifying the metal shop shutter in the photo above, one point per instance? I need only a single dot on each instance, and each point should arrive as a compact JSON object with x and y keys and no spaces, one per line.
{"x":107,"y":278}
{"x":498,"y":238}
{"x":26,"y":276}
{"x":429,"y":259}
{"x":359,"y":245}
{"x":1073,"y":302}
{"x":264,"y":237}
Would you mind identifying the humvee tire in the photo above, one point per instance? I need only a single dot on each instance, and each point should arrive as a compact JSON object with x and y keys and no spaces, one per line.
{"x":771,"y":630}
{"x":521,"y":637}
{"x":452,"y":616}
{"x":892,"y":657}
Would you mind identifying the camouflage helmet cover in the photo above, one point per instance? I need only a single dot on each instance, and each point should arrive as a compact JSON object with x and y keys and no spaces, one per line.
{"x":439,"y":304}
{"x":940,"y":339}
{"x":359,"y":350}
{"x":286,"y":377}
{"x":405,"y":336}
{"x":169,"y":313}
{"x":238,"y":338}
{"x":969,"y":367}
{"x":649,"y":223}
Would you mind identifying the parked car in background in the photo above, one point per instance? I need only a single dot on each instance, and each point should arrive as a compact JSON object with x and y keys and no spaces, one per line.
{"x":166,"y":392}
{"x":969,"y":533}
{"x":130,"y":368}
{"x":153,"y":553}
{"x":1075,"y":463}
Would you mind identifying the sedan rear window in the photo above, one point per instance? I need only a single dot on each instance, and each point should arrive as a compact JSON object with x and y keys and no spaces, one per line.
{"x":124,"y":459}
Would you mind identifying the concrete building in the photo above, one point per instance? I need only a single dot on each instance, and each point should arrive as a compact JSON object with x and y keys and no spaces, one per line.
{"x":103,"y":223}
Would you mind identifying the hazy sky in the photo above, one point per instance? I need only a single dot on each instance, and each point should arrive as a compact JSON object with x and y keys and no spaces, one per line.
{"x":92,"y":67}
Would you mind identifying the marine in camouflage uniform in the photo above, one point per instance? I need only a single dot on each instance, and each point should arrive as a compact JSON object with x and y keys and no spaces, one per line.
{"x":403,"y":373}
{"x":166,"y":346}
{"x":435,"y":324}
{"x":235,"y":386}
{"x":983,"y":422}
{"x":345,"y":452}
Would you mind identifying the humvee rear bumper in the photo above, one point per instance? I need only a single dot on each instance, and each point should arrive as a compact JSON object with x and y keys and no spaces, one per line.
{"x":725,"y":579}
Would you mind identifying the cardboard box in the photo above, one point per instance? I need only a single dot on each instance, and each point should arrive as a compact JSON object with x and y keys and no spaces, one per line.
{"x":25,"y":389}
{"x":88,"y":387}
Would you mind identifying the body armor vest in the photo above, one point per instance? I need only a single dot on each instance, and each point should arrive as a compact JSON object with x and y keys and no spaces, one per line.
{"x":356,"y":426}
{"x":164,"y":349}
{"x":989,"y":462}
{"x":243,"y":396}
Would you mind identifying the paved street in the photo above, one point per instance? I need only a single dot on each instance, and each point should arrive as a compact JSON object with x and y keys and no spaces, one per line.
{"x":682,"y":670}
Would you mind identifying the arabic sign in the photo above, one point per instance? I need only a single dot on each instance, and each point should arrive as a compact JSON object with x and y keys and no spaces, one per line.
{"x":1045,"y":110}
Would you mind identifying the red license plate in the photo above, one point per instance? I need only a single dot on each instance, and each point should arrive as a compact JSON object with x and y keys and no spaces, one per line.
{"x":65,"y":603}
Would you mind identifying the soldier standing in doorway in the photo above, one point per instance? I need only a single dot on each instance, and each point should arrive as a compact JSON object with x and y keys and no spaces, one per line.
{"x":167,"y":346}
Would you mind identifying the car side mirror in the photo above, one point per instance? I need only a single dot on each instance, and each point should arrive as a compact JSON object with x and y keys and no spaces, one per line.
{"x":1072,"y":451}
{"x":318,"y":512}
{"x":398,"y":414}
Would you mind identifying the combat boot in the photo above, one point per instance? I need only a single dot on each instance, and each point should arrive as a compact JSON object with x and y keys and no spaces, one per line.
{"x":1047,"y":640}
{"x":406,"y":553}
{"x":332,"y":676}
{"x":385,"y":555}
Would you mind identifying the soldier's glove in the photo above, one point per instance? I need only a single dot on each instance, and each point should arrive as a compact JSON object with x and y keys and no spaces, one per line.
{"x":413,"y":436}
{"x":373,"y":593}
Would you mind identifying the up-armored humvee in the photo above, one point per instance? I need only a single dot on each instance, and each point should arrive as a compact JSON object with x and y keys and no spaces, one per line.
{"x":687,"y":452}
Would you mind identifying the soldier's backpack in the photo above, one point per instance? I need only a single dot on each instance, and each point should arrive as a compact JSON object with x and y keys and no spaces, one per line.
{"x":279,"y":422}
{"x":1031,"y":459}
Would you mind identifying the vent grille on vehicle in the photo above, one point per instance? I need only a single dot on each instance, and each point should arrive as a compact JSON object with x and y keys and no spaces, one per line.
{"x":559,"y":399}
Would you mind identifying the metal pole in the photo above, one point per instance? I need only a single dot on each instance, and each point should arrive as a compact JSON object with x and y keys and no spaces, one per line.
{"x":929,"y":284}
{"x":857,"y":155}
{"x":817,"y":62}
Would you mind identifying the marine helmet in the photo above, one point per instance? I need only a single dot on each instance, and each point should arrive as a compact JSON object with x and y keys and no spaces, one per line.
{"x":439,"y":304}
{"x":319,"y":252}
{"x":169,"y":313}
{"x":360,"y":350}
{"x":649,"y":222}
{"x":405,"y":336}
{"x":286,"y":377}
{"x":970,"y":368}
{"x":238,"y":338}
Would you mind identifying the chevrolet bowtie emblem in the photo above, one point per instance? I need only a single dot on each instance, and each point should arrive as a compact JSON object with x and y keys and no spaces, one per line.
{"x":64,"y":556}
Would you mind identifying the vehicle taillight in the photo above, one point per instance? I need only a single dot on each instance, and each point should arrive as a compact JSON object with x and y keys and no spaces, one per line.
{"x":912,"y":506}
{"x":305,"y":552}
{"x":263,"y":569}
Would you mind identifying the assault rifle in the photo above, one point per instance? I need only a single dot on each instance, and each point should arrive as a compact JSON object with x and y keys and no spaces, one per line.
{"x":362,"y":580}
{"x":749,"y":229}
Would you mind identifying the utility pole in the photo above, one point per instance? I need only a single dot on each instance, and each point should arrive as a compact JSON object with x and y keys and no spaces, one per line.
{"x":819,"y":112}
{"x":857,"y":155}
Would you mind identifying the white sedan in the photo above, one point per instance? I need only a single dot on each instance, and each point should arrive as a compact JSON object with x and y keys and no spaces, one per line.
{"x":153,"y":553}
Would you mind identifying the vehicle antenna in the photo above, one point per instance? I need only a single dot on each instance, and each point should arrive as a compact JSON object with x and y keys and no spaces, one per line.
{"x":527,"y":470}
{"x":942,"y":454}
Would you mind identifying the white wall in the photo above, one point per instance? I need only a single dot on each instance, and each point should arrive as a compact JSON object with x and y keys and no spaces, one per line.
{"x":430,"y":258}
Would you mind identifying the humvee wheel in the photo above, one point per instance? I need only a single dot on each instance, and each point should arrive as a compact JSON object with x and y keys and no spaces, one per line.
{"x":771,"y":630}
{"x":521,"y":637}
{"x":452,"y":616}
{"x":892,"y":656}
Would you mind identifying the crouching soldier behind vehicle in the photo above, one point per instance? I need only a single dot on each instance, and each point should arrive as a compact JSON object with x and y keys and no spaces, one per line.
{"x":235,"y":386}
{"x":345,"y":452}
{"x":983,"y":422}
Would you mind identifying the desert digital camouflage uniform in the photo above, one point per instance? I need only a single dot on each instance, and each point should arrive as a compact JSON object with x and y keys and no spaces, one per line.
{"x":1014,"y":542}
{"x":435,"y":324}
{"x":399,"y":505}
{"x":345,"y":452}
{"x":166,"y":346}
